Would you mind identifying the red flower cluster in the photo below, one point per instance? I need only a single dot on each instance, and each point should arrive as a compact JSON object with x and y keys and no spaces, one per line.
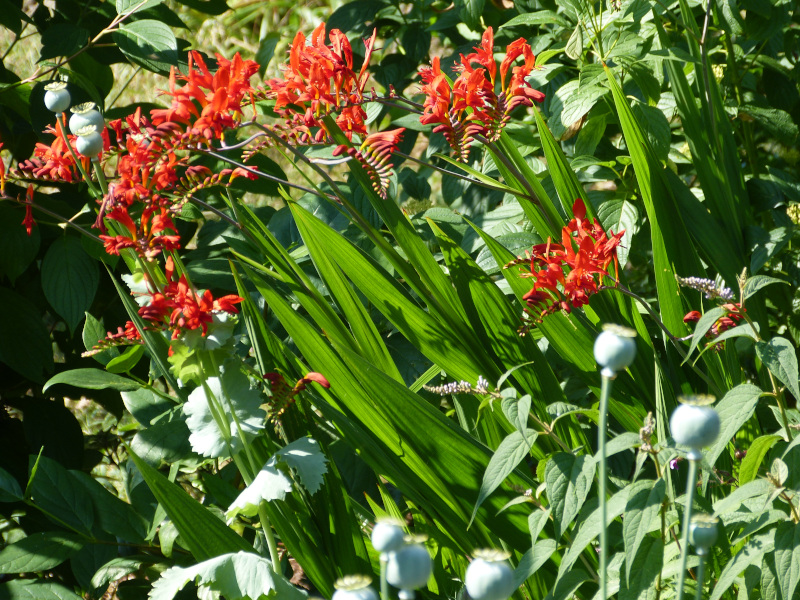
{"x":208,"y":104}
{"x":180,"y":308}
{"x":319,"y":80}
{"x":55,"y":162}
{"x":556,"y":288}
{"x":471,"y":105}
{"x":725,"y":322}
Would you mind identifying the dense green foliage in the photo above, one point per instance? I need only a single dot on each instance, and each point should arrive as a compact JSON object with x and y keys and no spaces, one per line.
{"x":382,"y":272}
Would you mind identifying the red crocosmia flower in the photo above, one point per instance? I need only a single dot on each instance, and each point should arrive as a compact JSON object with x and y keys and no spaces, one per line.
{"x":472,"y":105}
{"x":566,"y":275}
{"x":179,"y":308}
{"x":319,"y":80}
{"x":53,"y":162}
{"x":146,"y":237}
{"x":209,"y":103}
{"x":28,"y":220}
{"x":692,"y":317}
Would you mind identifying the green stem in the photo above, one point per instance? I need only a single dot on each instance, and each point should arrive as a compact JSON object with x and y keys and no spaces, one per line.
{"x":691,"y":483}
{"x":384,"y":584}
{"x":602,"y":430}
{"x":698,"y":595}
{"x":101,"y":176}
{"x":266,"y":525}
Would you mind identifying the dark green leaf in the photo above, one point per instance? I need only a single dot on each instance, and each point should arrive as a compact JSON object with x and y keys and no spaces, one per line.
{"x":69,"y":279}
{"x":471,"y":11}
{"x":25,"y":344}
{"x":166,"y":441}
{"x":780,"y":357}
{"x":112,"y":515}
{"x":62,"y":39}
{"x":148,"y":43}
{"x":38,"y":552}
{"x":9,"y":487}
{"x":755,"y":283}
{"x":776,"y":122}
{"x":93,"y":379}
{"x":17,"y":248}
{"x":35,"y":589}
{"x":266,"y":50}
{"x":60,"y":496}
{"x":93,"y":332}
{"x":354,"y":16}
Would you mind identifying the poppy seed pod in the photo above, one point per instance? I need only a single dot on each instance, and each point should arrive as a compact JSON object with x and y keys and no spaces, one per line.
{"x":354,"y":587}
{"x":614,"y":348}
{"x":56,"y":96}
{"x":703,"y":533}
{"x":89,"y":143}
{"x":409,"y":567}
{"x":387,"y":536}
{"x":694,"y":423}
{"x":83,"y":115}
{"x":489,"y":577}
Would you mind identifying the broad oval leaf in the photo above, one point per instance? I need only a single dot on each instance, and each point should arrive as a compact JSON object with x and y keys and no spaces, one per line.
{"x":128,"y":7}
{"x":148,"y":43}
{"x":39,"y":552}
{"x":93,"y":331}
{"x":20,"y":321}
{"x":641,"y":575}
{"x":9,"y":487}
{"x":780,"y":357}
{"x":620,"y":215}
{"x":508,"y":455}
{"x":752,"y":553}
{"x":69,"y":279}
{"x":61,"y":496}
{"x":735,"y":408}
{"x":568,"y":478}
{"x":787,"y":557}
{"x":755,"y":283}
{"x":93,"y":379}
{"x":533,"y":560}
{"x":36,"y":589}
{"x":642,"y":510}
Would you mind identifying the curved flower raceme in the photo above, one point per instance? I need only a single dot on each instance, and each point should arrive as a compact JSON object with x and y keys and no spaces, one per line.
{"x":471,"y":105}
{"x":565,"y":275}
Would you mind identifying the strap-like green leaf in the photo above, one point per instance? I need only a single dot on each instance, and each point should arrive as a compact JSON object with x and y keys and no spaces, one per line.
{"x":205,"y":535}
